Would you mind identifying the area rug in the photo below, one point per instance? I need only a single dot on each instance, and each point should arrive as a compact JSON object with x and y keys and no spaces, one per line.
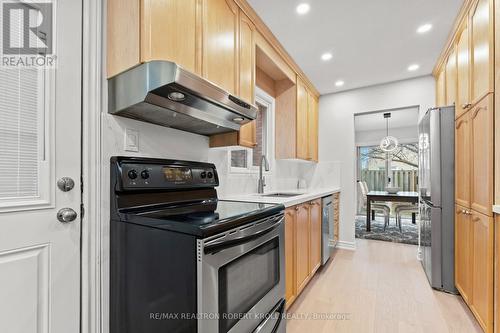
{"x":391,"y":233}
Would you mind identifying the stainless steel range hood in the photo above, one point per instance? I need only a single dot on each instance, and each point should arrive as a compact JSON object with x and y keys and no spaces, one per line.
{"x":165,"y":94}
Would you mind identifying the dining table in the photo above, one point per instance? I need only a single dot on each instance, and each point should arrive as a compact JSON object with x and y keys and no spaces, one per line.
{"x":384,"y":196}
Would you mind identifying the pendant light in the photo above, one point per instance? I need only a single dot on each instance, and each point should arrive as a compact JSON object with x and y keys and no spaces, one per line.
{"x":389,"y":143}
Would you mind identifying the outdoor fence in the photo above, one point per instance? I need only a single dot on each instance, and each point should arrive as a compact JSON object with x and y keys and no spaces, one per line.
{"x":406,"y":180}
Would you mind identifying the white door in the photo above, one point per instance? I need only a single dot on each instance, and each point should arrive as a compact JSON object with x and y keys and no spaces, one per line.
{"x":40,"y":142}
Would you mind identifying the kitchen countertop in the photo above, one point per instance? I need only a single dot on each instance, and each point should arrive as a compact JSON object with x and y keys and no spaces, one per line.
{"x":305,"y":195}
{"x":496,"y":209}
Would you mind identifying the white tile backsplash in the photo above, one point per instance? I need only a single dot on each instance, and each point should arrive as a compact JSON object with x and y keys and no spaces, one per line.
{"x":284,"y":176}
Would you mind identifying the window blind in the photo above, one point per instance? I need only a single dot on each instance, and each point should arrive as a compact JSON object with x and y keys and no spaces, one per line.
{"x":20,"y":115}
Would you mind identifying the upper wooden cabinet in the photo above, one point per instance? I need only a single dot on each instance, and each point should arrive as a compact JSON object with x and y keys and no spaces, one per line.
{"x":123,"y":35}
{"x":451,"y":78}
{"x":300,"y":114}
{"x":302,"y":130}
{"x":313,"y":115}
{"x":247,"y":58}
{"x":482,"y":49}
{"x":441,"y":88}
{"x":463,"y":71}
{"x":171,"y":30}
{"x":220,"y":43}
{"x":481,"y":157}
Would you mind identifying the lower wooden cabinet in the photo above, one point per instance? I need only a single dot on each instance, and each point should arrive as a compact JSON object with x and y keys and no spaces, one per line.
{"x":482,"y":270}
{"x":474,"y":263}
{"x":290,"y":286}
{"x":315,"y":242}
{"x":302,"y":239}
{"x":302,"y":246}
{"x":463,"y":248}
{"x":496,"y":302}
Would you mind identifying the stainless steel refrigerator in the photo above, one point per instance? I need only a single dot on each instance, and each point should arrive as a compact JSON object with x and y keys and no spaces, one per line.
{"x":437,"y":196}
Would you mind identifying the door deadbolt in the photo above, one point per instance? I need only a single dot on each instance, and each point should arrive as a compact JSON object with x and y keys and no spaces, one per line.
{"x":65,"y":184}
{"x":66,"y":215}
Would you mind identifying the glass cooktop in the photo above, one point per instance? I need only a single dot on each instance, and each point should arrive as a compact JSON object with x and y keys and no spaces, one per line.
{"x":200,"y":217}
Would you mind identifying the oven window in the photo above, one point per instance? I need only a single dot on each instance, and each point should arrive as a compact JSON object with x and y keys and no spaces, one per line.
{"x":245,"y":281}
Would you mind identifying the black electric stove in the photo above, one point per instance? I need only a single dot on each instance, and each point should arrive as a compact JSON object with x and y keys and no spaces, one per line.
{"x":161,"y":211}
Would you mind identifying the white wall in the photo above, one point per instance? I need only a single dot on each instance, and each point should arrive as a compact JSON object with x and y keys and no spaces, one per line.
{"x":337,"y":134}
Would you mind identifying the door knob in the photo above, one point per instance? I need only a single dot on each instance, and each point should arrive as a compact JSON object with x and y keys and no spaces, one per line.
{"x":65,"y":184}
{"x":66,"y":215}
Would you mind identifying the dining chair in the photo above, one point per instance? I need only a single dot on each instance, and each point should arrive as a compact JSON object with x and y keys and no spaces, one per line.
{"x":380,"y":207}
{"x":413,"y":209}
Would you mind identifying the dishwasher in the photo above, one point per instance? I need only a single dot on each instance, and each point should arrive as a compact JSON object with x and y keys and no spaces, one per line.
{"x":327,"y":230}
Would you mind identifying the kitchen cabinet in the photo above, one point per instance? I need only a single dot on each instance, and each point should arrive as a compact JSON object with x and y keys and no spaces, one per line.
{"x":482,"y":156}
{"x":313,"y":117}
{"x":451,"y":78}
{"x":290,"y":286}
{"x":302,"y":130}
{"x":462,"y":161}
{"x":336,"y":216}
{"x":247,"y":58}
{"x":496,"y":280}
{"x":246,"y":136}
{"x":482,"y":49}
{"x":302,"y":246}
{"x":474,"y":263}
{"x":302,"y":250}
{"x":463,"y":71}
{"x":122,"y":35}
{"x":463,"y":250}
{"x":220,"y":42}
{"x":171,"y":30}
{"x":441,"y":88}
{"x":315,"y":242}
{"x":482,"y":270}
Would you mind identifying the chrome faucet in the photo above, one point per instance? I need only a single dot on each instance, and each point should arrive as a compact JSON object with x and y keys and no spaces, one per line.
{"x":262,"y":180}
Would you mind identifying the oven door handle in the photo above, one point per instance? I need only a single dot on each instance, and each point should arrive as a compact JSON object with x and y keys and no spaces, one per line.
{"x":224,"y":244}
{"x":279,"y":309}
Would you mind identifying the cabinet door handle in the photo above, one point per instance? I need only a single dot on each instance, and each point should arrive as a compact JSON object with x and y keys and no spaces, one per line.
{"x":466,"y":105}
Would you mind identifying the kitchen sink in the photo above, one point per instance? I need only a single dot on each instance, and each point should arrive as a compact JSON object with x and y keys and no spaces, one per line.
{"x":282,"y":195}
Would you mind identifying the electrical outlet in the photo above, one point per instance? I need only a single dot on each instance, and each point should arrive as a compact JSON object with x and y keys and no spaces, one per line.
{"x":131,"y":140}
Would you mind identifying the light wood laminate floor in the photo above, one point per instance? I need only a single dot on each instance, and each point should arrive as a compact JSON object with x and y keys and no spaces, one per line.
{"x":380,"y":287}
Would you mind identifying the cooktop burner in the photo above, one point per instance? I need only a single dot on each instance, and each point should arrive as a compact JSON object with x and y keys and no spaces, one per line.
{"x":177,"y":196}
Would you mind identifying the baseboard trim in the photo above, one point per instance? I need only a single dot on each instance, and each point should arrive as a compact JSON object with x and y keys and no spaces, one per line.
{"x":346,"y":245}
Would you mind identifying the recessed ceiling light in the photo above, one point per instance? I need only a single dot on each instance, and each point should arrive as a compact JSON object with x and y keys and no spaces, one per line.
{"x":413,"y":67}
{"x":326,"y":56}
{"x":424,"y":28}
{"x":303,"y":8}
{"x":339,"y":83}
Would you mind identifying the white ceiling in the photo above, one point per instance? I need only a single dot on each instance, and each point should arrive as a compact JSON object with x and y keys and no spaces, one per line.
{"x":372,"y":41}
{"x":376,"y":121}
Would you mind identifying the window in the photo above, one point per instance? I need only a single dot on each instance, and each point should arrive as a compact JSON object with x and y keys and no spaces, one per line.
{"x":24,"y":174}
{"x":248,"y":159}
{"x":377,"y":168}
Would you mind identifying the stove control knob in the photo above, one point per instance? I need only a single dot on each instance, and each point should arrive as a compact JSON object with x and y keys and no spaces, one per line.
{"x":132,"y":174}
{"x":203,"y":175}
{"x":210,"y":175}
{"x":145,"y":174}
